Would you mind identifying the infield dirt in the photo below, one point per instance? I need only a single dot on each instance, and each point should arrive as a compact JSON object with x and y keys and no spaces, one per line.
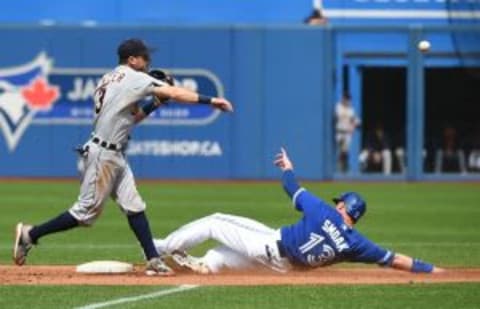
{"x":66,"y":275}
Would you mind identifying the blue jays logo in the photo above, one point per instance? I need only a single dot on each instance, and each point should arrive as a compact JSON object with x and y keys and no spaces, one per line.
{"x":24,"y":91}
{"x":38,"y":94}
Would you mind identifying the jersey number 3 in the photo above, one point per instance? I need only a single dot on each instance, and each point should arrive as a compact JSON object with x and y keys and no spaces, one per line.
{"x":99,"y":97}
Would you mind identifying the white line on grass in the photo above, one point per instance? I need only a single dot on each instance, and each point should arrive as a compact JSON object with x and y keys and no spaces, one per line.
{"x":132,"y":299}
{"x":80,"y":246}
{"x":430,"y":244}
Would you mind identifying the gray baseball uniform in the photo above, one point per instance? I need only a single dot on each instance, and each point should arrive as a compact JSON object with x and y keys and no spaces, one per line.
{"x":105,"y":171}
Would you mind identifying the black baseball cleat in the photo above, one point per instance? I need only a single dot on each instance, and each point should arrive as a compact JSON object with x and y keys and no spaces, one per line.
{"x":22,"y":244}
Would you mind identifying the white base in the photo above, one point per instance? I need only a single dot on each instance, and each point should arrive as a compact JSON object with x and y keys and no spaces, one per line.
{"x":104,"y":267}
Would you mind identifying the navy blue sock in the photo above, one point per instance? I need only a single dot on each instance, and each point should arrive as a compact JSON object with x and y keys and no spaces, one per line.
{"x":139,"y":225}
{"x":64,"y":221}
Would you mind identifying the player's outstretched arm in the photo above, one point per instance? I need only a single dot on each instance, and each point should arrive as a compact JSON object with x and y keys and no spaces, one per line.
{"x":184,"y":95}
{"x":403,"y":262}
{"x":290,"y":184}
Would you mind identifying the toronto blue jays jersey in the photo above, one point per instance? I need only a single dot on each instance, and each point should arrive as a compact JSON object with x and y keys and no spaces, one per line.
{"x":322,"y":238}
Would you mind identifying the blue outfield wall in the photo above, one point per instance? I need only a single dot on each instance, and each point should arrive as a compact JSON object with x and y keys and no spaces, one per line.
{"x":283,"y":81}
{"x":272,"y":76}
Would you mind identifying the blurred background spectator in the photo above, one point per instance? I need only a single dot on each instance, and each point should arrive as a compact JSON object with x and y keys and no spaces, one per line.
{"x":317,"y":16}
{"x":450,"y":157}
{"x":474,"y":155}
{"x":377,"y":154}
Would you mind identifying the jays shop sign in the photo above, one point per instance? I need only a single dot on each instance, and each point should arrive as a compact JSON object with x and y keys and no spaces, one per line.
{"x":37,"y":93}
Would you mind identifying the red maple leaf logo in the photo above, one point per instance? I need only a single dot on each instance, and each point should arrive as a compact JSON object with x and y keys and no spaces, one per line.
{"x":40,"y":95}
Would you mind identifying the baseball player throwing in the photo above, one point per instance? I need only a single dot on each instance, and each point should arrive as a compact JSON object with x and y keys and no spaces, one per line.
{"x":323,"y":236}
{"x":105,"y":172}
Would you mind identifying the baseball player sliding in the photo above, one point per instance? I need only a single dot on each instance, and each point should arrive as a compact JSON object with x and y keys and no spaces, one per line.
{"x":105,"y":170}
{"x":323,"y":236}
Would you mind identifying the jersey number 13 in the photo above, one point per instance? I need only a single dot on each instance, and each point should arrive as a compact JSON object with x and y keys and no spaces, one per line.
{"x":317,"y":257}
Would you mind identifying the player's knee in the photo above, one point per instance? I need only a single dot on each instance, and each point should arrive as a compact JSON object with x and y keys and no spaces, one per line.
{"x":130,"y":213}
{"x":217,"y":215}
{"x":85,"y":213}
{"x":135,"y":205}
{"x":84,"y":221}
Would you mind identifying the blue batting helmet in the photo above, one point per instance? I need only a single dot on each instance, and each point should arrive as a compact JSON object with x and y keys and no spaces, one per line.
{"x":354,"y":203}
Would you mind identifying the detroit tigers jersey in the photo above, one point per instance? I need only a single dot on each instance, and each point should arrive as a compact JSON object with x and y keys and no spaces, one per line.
{"x":321,"y":237}
{"x":116,"y":99}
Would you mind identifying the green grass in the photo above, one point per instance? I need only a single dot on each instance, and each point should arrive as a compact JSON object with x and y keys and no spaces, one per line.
{"x":434,"y":221}
{"x":464,"y":295}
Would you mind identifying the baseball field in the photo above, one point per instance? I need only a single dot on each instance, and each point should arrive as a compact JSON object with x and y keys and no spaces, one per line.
{"x":437,"y":222}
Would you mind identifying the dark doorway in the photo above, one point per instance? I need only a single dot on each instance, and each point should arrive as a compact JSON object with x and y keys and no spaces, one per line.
{"x":452,"y":98}
{"x":384,"y":105}
{"x":452,"y":128}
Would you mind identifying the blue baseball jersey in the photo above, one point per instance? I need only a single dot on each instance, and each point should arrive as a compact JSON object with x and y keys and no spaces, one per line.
{"x":322,"y":238}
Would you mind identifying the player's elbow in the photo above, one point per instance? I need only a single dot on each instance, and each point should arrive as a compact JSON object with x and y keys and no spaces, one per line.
{"x":170,"y":92}
{"x":165,"y":92}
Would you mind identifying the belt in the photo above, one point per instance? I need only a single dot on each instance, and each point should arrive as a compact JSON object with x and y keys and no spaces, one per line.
{"x":281,"y":249}
{"x":106,"y":145}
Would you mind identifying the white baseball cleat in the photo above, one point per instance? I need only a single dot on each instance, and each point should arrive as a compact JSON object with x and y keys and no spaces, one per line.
{"x":190,"y":262}
{"x":157,"y":267}
{"x":22,"y":244}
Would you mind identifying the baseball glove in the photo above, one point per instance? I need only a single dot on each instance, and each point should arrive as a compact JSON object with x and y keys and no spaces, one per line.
{"x":161,"y":75}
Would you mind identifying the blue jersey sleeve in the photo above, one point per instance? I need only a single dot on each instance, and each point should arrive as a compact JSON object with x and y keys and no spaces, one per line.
{"x":290,"y":184}
{"x":310,"y":204}
{"x":369,"y":252}
{"x":302,"y":199}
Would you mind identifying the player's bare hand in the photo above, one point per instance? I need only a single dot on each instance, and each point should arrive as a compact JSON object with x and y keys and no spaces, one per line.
{"x":282,"y":160}
{"x":222,"y":104}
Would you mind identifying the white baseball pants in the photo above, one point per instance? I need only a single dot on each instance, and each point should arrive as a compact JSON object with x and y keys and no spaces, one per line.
{"x":105,"y":174}
{"x":245,"y":242}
